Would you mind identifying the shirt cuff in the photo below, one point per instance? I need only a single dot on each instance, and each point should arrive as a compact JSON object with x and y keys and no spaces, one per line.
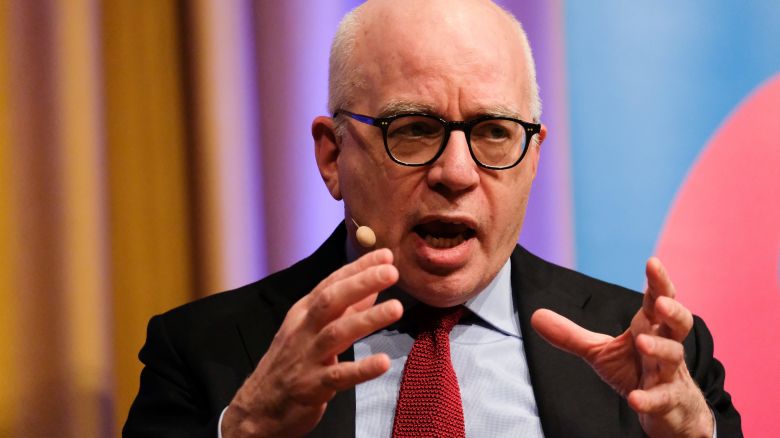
{"x":714,"y":425}
{"x":219,"y":424}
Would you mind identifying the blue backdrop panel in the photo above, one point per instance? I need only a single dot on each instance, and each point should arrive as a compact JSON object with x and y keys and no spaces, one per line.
{"x":649,"y":83}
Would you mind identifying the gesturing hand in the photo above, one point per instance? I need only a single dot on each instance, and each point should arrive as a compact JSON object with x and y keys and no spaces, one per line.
{"x":288,"y":392}
{"x":646,"y":363}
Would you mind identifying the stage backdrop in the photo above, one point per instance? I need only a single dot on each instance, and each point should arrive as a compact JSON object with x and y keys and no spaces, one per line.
{"x":674,"y":113}
{"x":155,"y":151}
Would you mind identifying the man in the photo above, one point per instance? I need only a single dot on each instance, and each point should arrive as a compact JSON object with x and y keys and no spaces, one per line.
{"x":434,"y":144}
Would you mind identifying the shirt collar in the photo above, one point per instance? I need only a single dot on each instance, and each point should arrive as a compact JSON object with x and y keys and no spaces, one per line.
{"x":494,"y":304}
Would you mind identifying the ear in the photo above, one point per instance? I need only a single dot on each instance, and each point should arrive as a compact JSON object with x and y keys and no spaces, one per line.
{"x":536,"y":147}
{"x":542,"y":134}
{"x":326,"y":151}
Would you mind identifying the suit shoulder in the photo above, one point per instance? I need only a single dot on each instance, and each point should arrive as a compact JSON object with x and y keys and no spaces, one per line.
{"x":275,"y":293}
{"x":216,"y":306}
{"x":547,"y":276}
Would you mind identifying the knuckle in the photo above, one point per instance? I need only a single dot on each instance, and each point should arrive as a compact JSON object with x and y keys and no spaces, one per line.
{"x":282,"y":336}
{"x":324,"y":300}
{"x":366,"y":277}
{"x":333,"y":376}
{"x":688,"y":322}
{"x":330,"y":335}
{"x":670,"y":399}
{"x":325,"y":283}
{"x":660,"y":403}
{"x":380,"y":274}
{"x":279,"y":337}
{"x":372,"y":316}
{"x":679,"y":353}
{"x":364,"y":369}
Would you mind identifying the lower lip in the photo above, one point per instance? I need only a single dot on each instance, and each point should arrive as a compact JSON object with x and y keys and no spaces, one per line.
{"x":443,"y":259}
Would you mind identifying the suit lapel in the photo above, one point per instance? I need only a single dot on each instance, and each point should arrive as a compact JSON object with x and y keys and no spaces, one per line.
{"x":572,"y":400}
{"x":279,"y":293}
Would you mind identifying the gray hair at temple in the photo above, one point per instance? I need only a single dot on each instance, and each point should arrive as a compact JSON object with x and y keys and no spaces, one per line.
{"x":342,"y":74}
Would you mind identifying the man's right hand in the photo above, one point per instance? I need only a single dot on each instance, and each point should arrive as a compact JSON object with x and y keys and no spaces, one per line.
{"x":289,"y":390}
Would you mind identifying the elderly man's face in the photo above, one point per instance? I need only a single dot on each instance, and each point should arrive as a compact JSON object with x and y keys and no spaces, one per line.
{"x":459,"y":66}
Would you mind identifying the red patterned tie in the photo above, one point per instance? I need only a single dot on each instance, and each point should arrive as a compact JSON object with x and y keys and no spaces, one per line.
{"x":429,"y":401}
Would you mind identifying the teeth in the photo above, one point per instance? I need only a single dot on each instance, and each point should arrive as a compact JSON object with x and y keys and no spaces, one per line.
{"x":444,"y":242}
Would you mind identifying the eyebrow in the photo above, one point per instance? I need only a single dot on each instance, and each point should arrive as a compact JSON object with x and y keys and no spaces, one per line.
{"x":406,"y":106}
{"x":500,"y":111}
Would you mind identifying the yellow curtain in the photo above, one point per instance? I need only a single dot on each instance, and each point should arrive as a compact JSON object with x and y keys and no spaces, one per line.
{"x":151,"y":257}
{"x":133,"y":180}
{"x":95,"y":205}
{"x":8,"y":245}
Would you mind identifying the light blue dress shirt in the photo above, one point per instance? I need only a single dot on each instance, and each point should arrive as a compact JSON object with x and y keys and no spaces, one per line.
{"x":488,"y":358}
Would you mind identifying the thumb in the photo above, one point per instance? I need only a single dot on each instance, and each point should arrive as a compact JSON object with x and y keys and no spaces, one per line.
{"x":564,"y":334}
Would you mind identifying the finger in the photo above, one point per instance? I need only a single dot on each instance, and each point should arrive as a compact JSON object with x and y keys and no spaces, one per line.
{"x":382,"y":256}
{"x":679,"y":404}
{"x":656,"y":401}
{"x":341,"y":333}
{"x":345,"y":375}
{"x":675,"y":317}
{"x":329,"y":303}
{"x":373,"y":258}
{"x":565,"y":334}
{"x":664,"y":355}
{"x":658,"y":284}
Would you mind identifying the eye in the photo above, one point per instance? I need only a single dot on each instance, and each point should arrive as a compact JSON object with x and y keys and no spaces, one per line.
{"x":493,"y":130}
{"x":414,"y":127}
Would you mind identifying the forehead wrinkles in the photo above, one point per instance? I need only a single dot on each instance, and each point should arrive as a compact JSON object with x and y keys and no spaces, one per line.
{"x":448,"y":91}
{"x":445,"y":25}
{"x":419,"y":56}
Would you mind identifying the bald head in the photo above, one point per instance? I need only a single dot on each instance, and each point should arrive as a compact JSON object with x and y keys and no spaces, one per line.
{"x":443,"y":32}
{"x":456,"y":60}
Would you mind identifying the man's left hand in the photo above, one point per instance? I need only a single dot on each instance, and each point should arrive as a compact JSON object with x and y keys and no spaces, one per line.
{"x":646,"y":363}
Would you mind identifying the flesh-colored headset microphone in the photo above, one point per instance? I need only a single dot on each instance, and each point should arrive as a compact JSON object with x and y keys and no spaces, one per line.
{"x":365,"y":235}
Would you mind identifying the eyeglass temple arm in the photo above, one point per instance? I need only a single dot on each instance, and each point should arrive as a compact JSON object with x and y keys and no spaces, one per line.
{"x":359,"y":117}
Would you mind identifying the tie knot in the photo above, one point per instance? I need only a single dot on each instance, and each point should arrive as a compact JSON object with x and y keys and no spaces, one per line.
{"x":438,"y":319}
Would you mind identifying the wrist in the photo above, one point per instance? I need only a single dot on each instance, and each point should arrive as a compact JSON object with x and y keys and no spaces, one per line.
{"x":704,"y":424}
{"x":238,"y":423}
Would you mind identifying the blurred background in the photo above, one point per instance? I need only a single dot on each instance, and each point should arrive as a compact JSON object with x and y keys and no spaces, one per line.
{"x":156,"y":151}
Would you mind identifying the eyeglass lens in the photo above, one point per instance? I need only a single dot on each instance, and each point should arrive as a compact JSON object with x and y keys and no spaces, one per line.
{"x":417,"y":139}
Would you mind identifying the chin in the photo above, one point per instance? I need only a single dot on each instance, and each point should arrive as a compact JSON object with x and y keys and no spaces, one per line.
{"x":441,"y":291}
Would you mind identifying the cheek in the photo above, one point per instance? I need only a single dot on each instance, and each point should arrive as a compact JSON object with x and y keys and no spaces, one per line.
{"x":509,"y":205}
{"x":357,"y":185}
{"x":371,"y":192}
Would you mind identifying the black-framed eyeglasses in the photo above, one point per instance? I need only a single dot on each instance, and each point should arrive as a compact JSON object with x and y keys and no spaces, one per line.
{"x":418,"y":139}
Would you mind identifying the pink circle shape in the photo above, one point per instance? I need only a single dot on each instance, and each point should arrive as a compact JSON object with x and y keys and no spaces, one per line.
{"x":721,"y":244}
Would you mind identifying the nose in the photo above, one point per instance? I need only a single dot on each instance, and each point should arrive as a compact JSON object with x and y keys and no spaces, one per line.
{"x":455,"y":171}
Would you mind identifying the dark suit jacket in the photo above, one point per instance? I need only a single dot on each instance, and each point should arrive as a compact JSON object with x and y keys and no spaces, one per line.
{"x":197,"y":356}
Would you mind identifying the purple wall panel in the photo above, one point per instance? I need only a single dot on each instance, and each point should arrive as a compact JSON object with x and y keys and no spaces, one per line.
{"x":548,"y":229}
{"x":293,"y":44}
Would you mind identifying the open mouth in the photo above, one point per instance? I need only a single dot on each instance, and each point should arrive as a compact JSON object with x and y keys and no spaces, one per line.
{"x":442,"y":235}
